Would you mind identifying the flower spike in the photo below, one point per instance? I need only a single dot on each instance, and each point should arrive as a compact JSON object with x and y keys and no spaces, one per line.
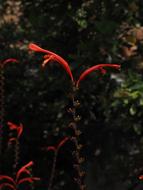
{"x":52,"y":56}
{"x":94,"y":68}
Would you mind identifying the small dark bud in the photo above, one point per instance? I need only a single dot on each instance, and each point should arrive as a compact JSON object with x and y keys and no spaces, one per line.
{"x":72,"y":125}
{"x":82,"y":173}
{"x":73,"y":153}
{"x":77,"y":118}
{"x":83,"y":187}
{"x":79,"y":146}
{"x":76,"y":166}
{"x":76,"y":103}
{"x":78,"y":132}
{"x":81,"y":160}
{"x":70,"y":110}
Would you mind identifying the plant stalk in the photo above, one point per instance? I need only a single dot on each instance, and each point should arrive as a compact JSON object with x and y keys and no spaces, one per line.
{"x":75,"y":138}
{"x":53,"y":170}
{"x":2,"y":110}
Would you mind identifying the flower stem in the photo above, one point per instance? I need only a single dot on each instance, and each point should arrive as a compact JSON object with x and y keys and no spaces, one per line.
{"x":16,"y":156}
{"x":2,"y":111}
{"x":78,"y":160}
{"x":53,"y":170}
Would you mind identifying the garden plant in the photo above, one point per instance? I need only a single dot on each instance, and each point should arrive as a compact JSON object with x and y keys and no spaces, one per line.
{"x":71,"y":119}
{"x":23,"y":175}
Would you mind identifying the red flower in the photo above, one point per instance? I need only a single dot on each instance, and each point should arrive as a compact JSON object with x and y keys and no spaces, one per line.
{"x":14,"y":183}
{"x":10,"y":60}
{"x":94,"y":68}
{"x":52,"y":56}
{"x":18,"y":128}
{"x":57,"y":147}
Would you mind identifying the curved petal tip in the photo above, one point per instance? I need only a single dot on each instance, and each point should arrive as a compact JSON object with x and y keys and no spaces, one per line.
{"x":36,"y":48}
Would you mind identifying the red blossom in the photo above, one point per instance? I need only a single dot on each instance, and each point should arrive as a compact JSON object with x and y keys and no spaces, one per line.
{"x":51,"y":148}
{"x":4,"y":177}
{"x":28,"y":179}
{"x":36,"y":48}
{"x":14,"y":183}
{"x":58,"y":146}
{"x":50,"y":56}
{"x":18,"y":128}
{"x":62,"y":142}
{"x":99,"y":67}
{"x":10,"y":60}
{"x":24,"y":169}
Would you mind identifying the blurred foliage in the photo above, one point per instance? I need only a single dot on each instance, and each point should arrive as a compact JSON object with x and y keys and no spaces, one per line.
{"x":84,"y":32}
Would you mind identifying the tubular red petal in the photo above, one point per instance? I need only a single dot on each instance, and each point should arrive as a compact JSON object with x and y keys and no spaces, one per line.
{"x":10,"y":60}
{"x":20,"y":130}
{"x":47,"y":60}
{"x":10,"y":179}
{"x":11,"y":125}
{"x":28,"y":179}
{"x":51,"y":148}
{"x":24,"y":169}
{"x":55,"y":57}
{"x":13,"y":139}
{"x":65,"y":65}
{"x":94,"y":68}
{"x":7,"y":185}
{"x":62,"y":142}
{"x":36,"y":48}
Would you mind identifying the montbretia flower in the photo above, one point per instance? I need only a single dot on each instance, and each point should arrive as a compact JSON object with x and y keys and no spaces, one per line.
{"x":10,"y":60}
{"x":52,"y":56}
{"x":17,"y":128}
{"x":8,"y":181}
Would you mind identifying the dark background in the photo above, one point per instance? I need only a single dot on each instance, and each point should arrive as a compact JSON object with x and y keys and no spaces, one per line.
{"x":85,"y":33}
